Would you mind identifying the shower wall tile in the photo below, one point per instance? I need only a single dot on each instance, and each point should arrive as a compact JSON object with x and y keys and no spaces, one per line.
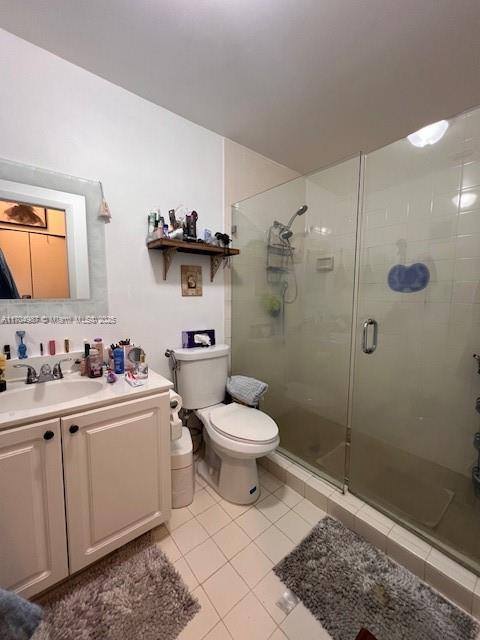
{"x":476,"y":600}
{"x":279,"y":465}
{"x":318,"y":492}
{"x":295,"y":477}
{"x":373,"y":526}
{"x":408,"y":550}
{"x":344,"y":507}
{"x":468,"y":222}
{"x":471,"y":175}
{"x":451,"y":579}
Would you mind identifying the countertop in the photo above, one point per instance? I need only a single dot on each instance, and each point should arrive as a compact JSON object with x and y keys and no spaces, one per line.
{"x":119,"y":391}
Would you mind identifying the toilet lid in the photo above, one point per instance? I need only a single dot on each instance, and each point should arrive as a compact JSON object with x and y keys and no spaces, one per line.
{"x":244,"y":423}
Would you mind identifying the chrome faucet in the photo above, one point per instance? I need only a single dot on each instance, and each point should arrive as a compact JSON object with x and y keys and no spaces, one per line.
{"x":57,"y":369}
{"x":31,"y":373}
{"x":46,"y":374}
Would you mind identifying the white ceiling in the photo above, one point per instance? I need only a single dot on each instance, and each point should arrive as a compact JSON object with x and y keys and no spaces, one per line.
{"x":305,"y":82}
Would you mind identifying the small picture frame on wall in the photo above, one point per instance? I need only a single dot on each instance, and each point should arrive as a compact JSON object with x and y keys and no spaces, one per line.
{"x":191,"y":280}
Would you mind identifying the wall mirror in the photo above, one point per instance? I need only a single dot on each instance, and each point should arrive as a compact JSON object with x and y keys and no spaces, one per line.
{"x":52,"y":243}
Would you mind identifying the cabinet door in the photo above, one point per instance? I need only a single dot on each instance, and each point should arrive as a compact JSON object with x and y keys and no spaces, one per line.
{"x":33,"y":547}
{"x":117,"y":475}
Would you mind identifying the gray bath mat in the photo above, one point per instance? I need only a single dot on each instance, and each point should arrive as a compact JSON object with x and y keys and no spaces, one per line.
{"x":347,"y":584}
{"x":134,"y":593}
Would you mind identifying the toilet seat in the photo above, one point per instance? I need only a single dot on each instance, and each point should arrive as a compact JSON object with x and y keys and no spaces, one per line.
{"x":243,"y":424}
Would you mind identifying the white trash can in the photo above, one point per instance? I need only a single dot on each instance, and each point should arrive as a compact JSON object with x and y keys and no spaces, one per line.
{"x":183,"y":478}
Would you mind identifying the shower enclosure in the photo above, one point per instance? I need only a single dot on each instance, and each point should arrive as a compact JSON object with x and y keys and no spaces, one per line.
{"x":364,"y":325}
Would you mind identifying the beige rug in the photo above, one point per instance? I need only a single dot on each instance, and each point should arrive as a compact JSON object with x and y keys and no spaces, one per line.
{"x":135,"y":593}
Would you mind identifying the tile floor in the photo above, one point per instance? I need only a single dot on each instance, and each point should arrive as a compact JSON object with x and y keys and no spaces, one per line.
{"x":225,"y":554}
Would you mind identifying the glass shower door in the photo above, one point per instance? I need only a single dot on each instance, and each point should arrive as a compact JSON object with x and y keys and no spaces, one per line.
{"x":292,"y":309}
{"x":415,"y":384}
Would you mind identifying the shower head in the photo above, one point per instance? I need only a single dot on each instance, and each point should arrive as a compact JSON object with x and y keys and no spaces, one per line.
{"x":303,"y":209}
{"x":287,"y":233}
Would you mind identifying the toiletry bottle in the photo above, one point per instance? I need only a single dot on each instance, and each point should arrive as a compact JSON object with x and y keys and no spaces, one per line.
{"x":142,"y":367}
{"x":118,"y":359}
{"x":3,"y":366}
{"x":95,"y":365}
{"x":84,"y":360}
{"x":66,"y":345}
{"x":155,"y":227}
{"x":151,"y":224}
{"x":52,"y":348}
{"x":6,"y":351}
{"x":98,"y":344}
{"x":110,"y":356}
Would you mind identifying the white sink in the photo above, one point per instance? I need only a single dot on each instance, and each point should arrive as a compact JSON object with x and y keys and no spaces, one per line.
{"x":45,"y":394}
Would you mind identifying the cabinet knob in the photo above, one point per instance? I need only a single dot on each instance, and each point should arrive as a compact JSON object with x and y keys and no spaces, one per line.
{"x":73,"y":428}
{"x":48,"y":435}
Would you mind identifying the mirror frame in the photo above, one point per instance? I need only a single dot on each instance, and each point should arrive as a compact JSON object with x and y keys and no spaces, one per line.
{"x":94,"y":301}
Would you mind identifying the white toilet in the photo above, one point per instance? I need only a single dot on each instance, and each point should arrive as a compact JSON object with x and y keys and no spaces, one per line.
{"x":235,"y":435}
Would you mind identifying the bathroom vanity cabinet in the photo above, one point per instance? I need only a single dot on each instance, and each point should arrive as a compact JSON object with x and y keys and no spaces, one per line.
{"x":33,"y":542}
{"x":115,"y":482}
{"x":76,"y":487}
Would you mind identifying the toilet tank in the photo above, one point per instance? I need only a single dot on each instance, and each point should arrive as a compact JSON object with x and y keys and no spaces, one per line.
{"x":202,"y":375}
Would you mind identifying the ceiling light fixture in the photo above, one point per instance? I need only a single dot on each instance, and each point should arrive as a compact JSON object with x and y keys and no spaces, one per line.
{"x":430,"y":134}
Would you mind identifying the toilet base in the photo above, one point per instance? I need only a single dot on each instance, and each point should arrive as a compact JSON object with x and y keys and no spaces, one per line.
{"x":234,"y":479}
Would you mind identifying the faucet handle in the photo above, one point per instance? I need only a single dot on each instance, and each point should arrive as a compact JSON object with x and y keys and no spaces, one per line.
{"x":57,"y":369}
{"x":31,"y":373}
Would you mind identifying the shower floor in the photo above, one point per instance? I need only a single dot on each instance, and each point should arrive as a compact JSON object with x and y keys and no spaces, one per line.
{"x":311,"y":438}
{"x":436,"y":501}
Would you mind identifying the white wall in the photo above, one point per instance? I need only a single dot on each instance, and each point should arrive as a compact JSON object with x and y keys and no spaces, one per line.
{"x":58,"y":116}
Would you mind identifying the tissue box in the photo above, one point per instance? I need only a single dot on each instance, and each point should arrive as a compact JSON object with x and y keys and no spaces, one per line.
{"x":188,"y":341}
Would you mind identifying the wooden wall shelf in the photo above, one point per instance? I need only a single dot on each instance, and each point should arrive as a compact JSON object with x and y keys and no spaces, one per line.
{"x":170,"y":248}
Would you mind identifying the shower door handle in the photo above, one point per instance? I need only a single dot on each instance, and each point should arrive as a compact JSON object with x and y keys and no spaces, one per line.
{"x":366,"y":325}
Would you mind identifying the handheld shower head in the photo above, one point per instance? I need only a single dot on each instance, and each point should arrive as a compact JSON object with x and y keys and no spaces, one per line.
{"x":303,"y":209}
{"x":287,"y":233}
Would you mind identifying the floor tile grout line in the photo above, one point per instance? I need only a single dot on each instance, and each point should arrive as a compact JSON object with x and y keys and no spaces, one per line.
{"x":233,"y":606}
{"x":250,"y":589}
{"x":191,"y":568}
{"x":260,"y":603}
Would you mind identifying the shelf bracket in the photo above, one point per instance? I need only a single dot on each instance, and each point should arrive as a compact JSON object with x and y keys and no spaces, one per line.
{"x":215,"y":262}
{"x":167,"y":260}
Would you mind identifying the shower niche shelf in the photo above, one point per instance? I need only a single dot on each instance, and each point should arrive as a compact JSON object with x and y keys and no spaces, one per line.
{"x":170,"y":247}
